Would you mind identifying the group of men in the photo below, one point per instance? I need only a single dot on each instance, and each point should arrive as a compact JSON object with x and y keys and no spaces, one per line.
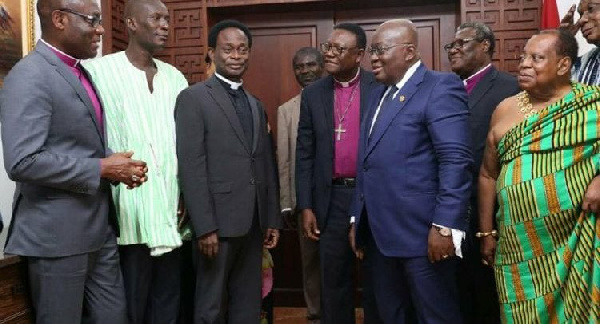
{"x":379,"y":166}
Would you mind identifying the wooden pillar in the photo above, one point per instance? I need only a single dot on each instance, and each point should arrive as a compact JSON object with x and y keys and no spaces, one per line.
{"x":513,"y":22}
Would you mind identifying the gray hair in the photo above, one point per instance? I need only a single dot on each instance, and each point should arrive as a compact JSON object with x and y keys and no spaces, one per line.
{"x":482,"y":32}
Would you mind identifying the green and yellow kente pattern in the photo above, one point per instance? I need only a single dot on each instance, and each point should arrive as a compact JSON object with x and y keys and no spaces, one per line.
{"x":548,"y":256}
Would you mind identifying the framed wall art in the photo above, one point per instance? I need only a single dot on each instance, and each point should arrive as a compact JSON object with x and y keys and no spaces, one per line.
{"x":16,"y":32}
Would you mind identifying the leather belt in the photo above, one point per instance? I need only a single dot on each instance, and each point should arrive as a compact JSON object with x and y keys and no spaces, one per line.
{"x":346,"y":182}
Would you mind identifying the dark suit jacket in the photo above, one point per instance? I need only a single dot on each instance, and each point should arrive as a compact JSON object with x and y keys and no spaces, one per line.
{"x":52,"y":146}
{"x":315,"y":143}
{"x":415,"y":169}
{"x":494,"y":87}
{"x":224,"y":179}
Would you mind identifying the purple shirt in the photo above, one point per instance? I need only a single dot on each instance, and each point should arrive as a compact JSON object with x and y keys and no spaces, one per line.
{"x":346,"y":108}
{"x":472,"y":81}
{"x":76,"y":68}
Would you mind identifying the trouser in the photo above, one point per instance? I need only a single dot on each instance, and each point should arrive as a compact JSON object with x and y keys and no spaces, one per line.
{"x":83,"y":288}
{"x":152,"y":284}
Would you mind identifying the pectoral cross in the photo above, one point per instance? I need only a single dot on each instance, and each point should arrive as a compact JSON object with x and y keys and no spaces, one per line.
{"x":339,"y":130}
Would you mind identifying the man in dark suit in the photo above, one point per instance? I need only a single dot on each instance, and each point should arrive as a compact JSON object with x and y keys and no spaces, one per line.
{"x":331,"y":111}
{"x":414,"y":179}
{"x":470,"y":56}
{"x":55,"y":149}
{"x":229,"y":181}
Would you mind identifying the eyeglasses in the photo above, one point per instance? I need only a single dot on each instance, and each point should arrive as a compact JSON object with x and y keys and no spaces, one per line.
{"x":380,"y":50}
{"x":93,"y":20}
{"x":335,"y":49}
{"x":459,"y":43}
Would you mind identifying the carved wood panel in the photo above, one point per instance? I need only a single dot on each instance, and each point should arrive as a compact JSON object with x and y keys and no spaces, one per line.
{"x":186,"y":46}
{"x":115,"y":33}
{"x":513,"y":22}
{"x":431,"y":25}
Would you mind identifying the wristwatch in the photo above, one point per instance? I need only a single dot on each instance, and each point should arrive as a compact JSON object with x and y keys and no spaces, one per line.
{"x":444,"y":231}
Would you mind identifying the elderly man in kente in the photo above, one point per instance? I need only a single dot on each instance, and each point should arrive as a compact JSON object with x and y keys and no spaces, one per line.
{"x":541,"y":160}
{"x":139,"y":93}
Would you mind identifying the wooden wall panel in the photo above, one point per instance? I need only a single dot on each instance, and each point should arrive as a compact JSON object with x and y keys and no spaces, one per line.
{"x":115,"y":34}
{"x":229,"y":3}
{"x":513,"y":22}
{"x":435,"y":25}
{"x":186,"y":47}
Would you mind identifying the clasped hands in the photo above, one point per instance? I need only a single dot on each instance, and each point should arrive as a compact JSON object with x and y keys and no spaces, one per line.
{"x":120,"y":167}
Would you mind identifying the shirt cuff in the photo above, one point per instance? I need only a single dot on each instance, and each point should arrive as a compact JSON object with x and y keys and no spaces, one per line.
{"x":352,"y":219}
{"x":457,"y":237}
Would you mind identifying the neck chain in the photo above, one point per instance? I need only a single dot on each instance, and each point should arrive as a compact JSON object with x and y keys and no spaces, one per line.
{"x":341,"y":116}
{"x":525,"y":106}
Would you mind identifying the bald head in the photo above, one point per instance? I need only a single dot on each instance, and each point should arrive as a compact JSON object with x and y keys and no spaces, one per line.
{"x":394,"y":50}
{"x":147,"y":24}
{"x":45,"y":8}
{"x":402,"y":28}
{"x":138,"y":8}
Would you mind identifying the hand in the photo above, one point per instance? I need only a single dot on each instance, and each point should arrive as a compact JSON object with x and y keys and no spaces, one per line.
{"x":290,"y":220}
{"x":359,"y":252}
{"x":208,"y":244}
{"x":271,"y":238}
{"x":488,"y":250}
{"x":567,"y":21}
{"x":182,"y":216}
{"x":309,"y":225}
{"x":591,"y":198}
{"x":120,"y":167}
{"x":439,"y":247}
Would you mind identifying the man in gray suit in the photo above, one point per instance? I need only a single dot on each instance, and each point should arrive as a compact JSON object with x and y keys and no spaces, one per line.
{"x":308,"y":68}
{"x":229,"y":181}
{"x":55,"y":150}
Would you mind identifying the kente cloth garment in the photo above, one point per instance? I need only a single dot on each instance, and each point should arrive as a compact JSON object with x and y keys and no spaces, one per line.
{"x":143,"y":122}
{"x":547,"y":263}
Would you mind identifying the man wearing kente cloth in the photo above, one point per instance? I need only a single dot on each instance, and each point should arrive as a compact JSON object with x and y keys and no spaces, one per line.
{"x":541,"y":161}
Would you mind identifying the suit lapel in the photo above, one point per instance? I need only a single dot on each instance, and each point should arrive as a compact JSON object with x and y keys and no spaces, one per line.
{"x":365,"y":125}
{"x":386,"y":116}
{"x":366,"y":80}
{"x":328,"y":108}
{"x":216,"y":90}
{"x":255,"y":119}
{"x":482,"y":87}
{"x":73,"y":81}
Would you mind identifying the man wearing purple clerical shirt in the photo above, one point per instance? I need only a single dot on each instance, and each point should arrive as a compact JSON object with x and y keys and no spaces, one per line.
{"x":330,"y":113}
{"x":55,"y":149}
{"x":470,"y":57}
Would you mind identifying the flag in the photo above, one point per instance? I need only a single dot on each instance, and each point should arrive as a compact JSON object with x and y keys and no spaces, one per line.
{"x":549,"y":15}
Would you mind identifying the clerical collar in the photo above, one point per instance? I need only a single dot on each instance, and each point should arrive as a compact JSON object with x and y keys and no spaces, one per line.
{"x":233,"y":85}
{"x":348,"y":83}
{"x":482,"y":70}
{"x":66,"y":58}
